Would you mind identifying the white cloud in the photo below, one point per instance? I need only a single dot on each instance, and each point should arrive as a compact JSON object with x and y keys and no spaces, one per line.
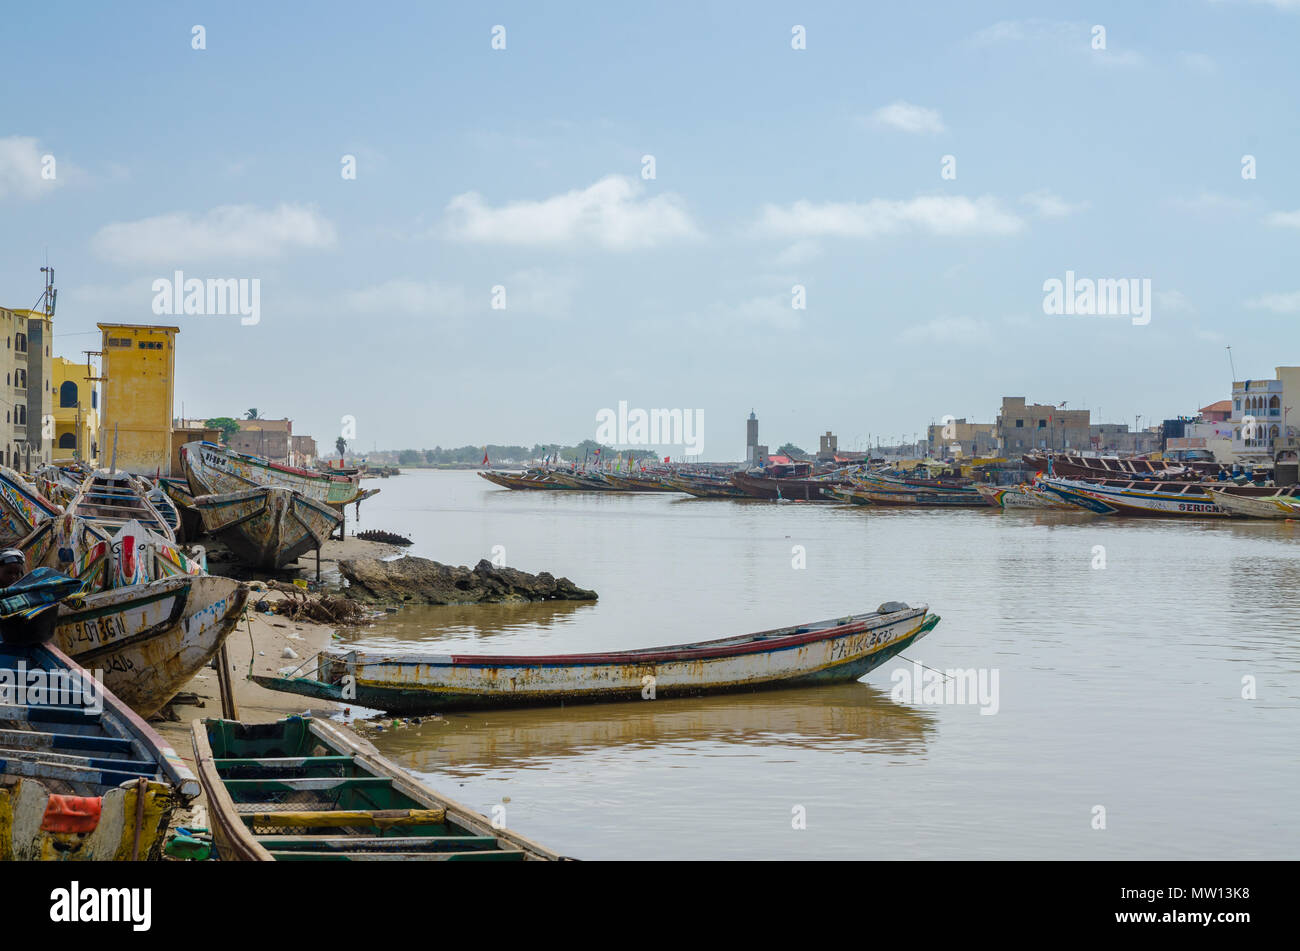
{"x":412,"y":299}
{"x":1173,"y":302}
{"x":947,"y":330}
{"x":775,"y":312}
{"x":1050,"y":205}
{"x":801,"y":252}
{"x":1055,"y":37}
{"x":1210,"y":201}
{"x":937,"y":214}
{"x":612,"y":213}
{"x":229,"y":231}
{"x":20,"y":168}
{"x":1284,"y":219}
{"x":909,"y":118}
{"x":1277,"y":303}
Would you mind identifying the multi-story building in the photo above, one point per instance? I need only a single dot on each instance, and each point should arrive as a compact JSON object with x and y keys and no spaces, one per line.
{"x":28,"y":435}
{"x":959,"y":439}
{"x":139,"y":370}
{"x":76,"y":411}
{"x":1260,"y":411}
{"x":269,"y":438}
{"x":1023,"y":427}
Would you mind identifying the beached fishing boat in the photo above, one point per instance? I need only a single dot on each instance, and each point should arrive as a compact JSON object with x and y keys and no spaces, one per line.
{"x":851,"y":494}
{"x":22,"y":507}
{"x":1248,"y":506}
{"x":111,"y":499}
{"x":303,"y":789}
{"x":178,"y":490}
{"x":1069,"y":465}
{"x":83,"y":777}
{"x":151,"y":638}
{"x":840,"y":649}
{"x":268,"y":527}
{"x":213,"y":470}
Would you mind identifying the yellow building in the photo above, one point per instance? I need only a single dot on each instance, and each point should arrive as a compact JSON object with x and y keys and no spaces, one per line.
{"x":139,"y":369}
{"x":76,"y":412}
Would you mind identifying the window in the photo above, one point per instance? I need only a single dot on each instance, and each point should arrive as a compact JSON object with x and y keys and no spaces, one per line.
{"x":20,"y":343}
{"x":67,"y":393}
{"x":150,"y":345}
{"x":119,"y":341}
{"x":94,"y":399}
{"x":1020,"y":424}
{"x":68,"y":441}
{"x":1042,"y":424}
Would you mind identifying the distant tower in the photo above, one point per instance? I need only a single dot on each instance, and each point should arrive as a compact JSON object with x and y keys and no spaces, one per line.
{"x":751,"y":438}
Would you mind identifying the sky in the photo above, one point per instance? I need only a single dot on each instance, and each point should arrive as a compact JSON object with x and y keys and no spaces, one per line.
{"x":914,"y":175}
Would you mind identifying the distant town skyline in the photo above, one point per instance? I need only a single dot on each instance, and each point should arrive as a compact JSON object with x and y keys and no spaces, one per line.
{"x":474,"y":227}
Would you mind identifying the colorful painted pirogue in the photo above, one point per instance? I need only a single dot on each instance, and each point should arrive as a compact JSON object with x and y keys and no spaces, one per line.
{"x":80,"y":780}
{"x":840,"y":649}
{"x":268,"y":526}
{"x":22,"y":508}
{"x":1135,"y":497}
{"x":303,"y":789}
{"x":213,"y":470}
{"x":882,"y":489}
{"x":706,"y":488}
{"x":1022,"y":496}
{"x":111,"y":499}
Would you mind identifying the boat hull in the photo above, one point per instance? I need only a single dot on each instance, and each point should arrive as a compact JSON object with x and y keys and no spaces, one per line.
{"x":150,"y":639}
{"x":268,"y":527}
{"x":423,"y":685}
{"x":1271,"y":508}
{"x":771,"y":489}
{"x":22,"y":508}
{"x":211,"y":470}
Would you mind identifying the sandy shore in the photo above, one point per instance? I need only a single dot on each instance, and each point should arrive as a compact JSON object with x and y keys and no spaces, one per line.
{"x":263,"y":638}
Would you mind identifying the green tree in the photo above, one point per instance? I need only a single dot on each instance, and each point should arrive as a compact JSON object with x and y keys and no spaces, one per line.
{"x":252,"y":414}
{"x":227,"y":426}
{"x":341,"y":445}
{"x":408,"y":457}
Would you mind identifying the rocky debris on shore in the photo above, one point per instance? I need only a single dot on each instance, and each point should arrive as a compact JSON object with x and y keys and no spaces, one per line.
{"x":379,"y":535}
{"x":423,"y":581}
{"x":299,"y":605}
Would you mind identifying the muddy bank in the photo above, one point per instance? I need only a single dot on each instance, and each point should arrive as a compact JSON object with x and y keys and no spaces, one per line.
{"x":422,"y":581}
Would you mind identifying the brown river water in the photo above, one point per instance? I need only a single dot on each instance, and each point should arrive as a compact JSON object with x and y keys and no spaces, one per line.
{"x":1119,"y":673}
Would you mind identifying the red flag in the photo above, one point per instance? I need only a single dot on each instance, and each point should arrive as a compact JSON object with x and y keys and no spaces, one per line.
{"x":665,"y":458}
{"x":485,"y":458}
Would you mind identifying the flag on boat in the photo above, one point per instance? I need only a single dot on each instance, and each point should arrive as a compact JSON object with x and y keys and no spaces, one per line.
{"x":485,"y":458}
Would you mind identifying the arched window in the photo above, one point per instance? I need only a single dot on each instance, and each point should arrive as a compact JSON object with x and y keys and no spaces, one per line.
{"x":20,"y":343}
{"x":94,"y":399}
{"x":1275,"y":403}
{"x":1274,"y":431}
{"x":21,"y":418}
{"x":68,"y":441}
{"x":67,"y":393}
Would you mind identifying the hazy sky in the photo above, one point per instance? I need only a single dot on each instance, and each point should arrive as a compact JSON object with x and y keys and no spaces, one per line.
{"x":773,"y":167}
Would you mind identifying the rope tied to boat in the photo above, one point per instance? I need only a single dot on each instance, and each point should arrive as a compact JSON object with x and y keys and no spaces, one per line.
{"x":925,"y":667}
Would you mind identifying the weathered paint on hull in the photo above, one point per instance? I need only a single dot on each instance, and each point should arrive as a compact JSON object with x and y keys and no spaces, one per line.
{"x":268,"y":527}
{"x":151,"y":639}
{"x":22,"y":508}
{"x":424,"y":688}
{"x":1271,"y":507}
{"x":22,"y":807}
{"x":212,"y":470}
{"x":1136,"y":501}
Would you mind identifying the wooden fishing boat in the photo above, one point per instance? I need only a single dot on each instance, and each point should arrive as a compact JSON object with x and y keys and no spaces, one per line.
{"x":1247,"y":506}
{"x":1021,"y":496}
{"x":1069,"y":465}
{"x":213,"y":470}
{"x":840,"y":649}
{"x":1152,"y":498}
{"x":83,"y":778}
{"x":582,"y":481}
{"x":532,"y":479}
{"x":924,"y":498}
{"x":111,"y":499}
{"x":303,"y":789}
{"x":22,"y":507}
{"x":630,"y":483}
{"x":707,"y":488}
{"x":59,"y":482}
{"x":151,"y":638}
{"x":178,"y":490}
{"x":268,"y":527}
{"x":850,"y":494}
{"x":773,"y":488}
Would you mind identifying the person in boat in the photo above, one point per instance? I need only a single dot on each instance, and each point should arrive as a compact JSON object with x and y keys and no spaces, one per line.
{"x":13,"y":567}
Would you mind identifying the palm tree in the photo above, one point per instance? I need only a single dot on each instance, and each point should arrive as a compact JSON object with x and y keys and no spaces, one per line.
{"x":252,"y":414}
{"x":341,"y":445}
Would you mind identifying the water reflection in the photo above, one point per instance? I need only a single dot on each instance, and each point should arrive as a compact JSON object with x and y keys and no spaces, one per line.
{"x":417,"y":627}
{"x":847,"y":718}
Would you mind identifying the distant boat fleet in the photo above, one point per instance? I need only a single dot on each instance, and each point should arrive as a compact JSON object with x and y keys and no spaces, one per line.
{"x":1102,"y":485}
